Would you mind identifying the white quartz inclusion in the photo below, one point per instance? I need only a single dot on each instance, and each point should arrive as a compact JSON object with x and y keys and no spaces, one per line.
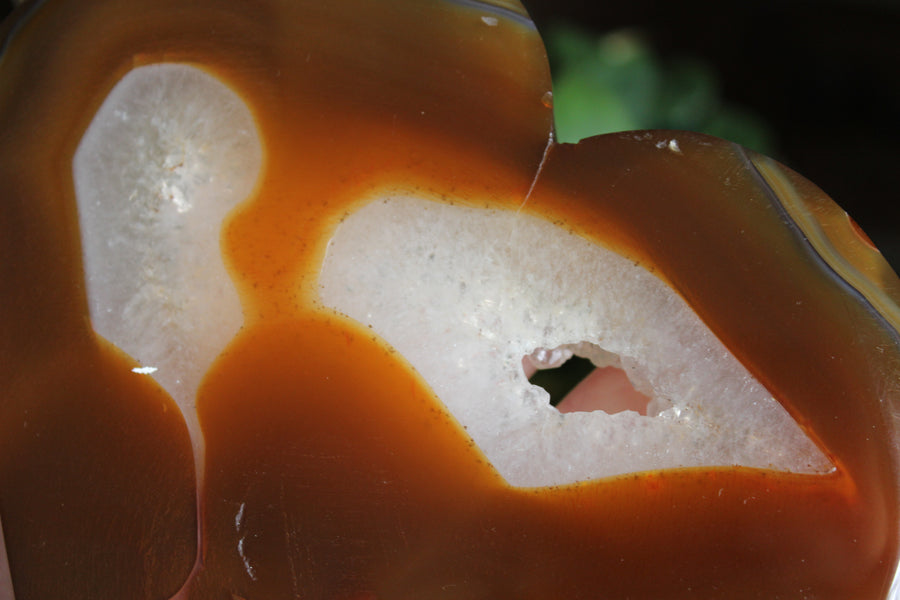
{"x":170,"y":152}
{"x":465,"y":293}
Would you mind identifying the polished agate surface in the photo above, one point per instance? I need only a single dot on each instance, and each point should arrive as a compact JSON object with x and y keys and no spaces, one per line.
{"x":274,"y":276}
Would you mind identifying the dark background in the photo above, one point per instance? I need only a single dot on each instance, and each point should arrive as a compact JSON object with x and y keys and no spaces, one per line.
{"x":824,"y":74}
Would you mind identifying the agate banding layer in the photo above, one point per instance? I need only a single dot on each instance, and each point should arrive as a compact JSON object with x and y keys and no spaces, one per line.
{"x":302,"y":453}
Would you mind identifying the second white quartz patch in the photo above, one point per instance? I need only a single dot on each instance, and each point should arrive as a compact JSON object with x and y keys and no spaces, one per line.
{"x":169,"y":153}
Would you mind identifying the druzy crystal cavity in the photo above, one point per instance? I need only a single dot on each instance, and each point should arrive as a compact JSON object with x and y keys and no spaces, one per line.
{"x":465,"y":293}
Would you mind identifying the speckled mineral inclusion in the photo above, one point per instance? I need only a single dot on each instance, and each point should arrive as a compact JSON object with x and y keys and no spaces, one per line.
{"x":465,"y":293}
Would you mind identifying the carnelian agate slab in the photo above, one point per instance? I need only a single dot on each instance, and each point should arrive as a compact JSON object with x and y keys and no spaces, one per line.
{"x":331,"y":470}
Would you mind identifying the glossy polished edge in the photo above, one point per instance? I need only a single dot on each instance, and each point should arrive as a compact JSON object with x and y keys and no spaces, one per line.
{"x":835,"y":238}
{"x":511,"y":10}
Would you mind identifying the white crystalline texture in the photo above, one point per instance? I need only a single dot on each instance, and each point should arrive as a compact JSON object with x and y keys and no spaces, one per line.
{"x":170,"y":152}
{"x":464,"y":294}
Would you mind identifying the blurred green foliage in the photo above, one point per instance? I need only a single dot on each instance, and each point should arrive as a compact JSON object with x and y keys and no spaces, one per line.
{"x":616,"y":82}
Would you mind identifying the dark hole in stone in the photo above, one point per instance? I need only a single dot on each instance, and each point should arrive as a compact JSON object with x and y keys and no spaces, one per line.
{"x":560,"y":381}
{"x":578,"y":384}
